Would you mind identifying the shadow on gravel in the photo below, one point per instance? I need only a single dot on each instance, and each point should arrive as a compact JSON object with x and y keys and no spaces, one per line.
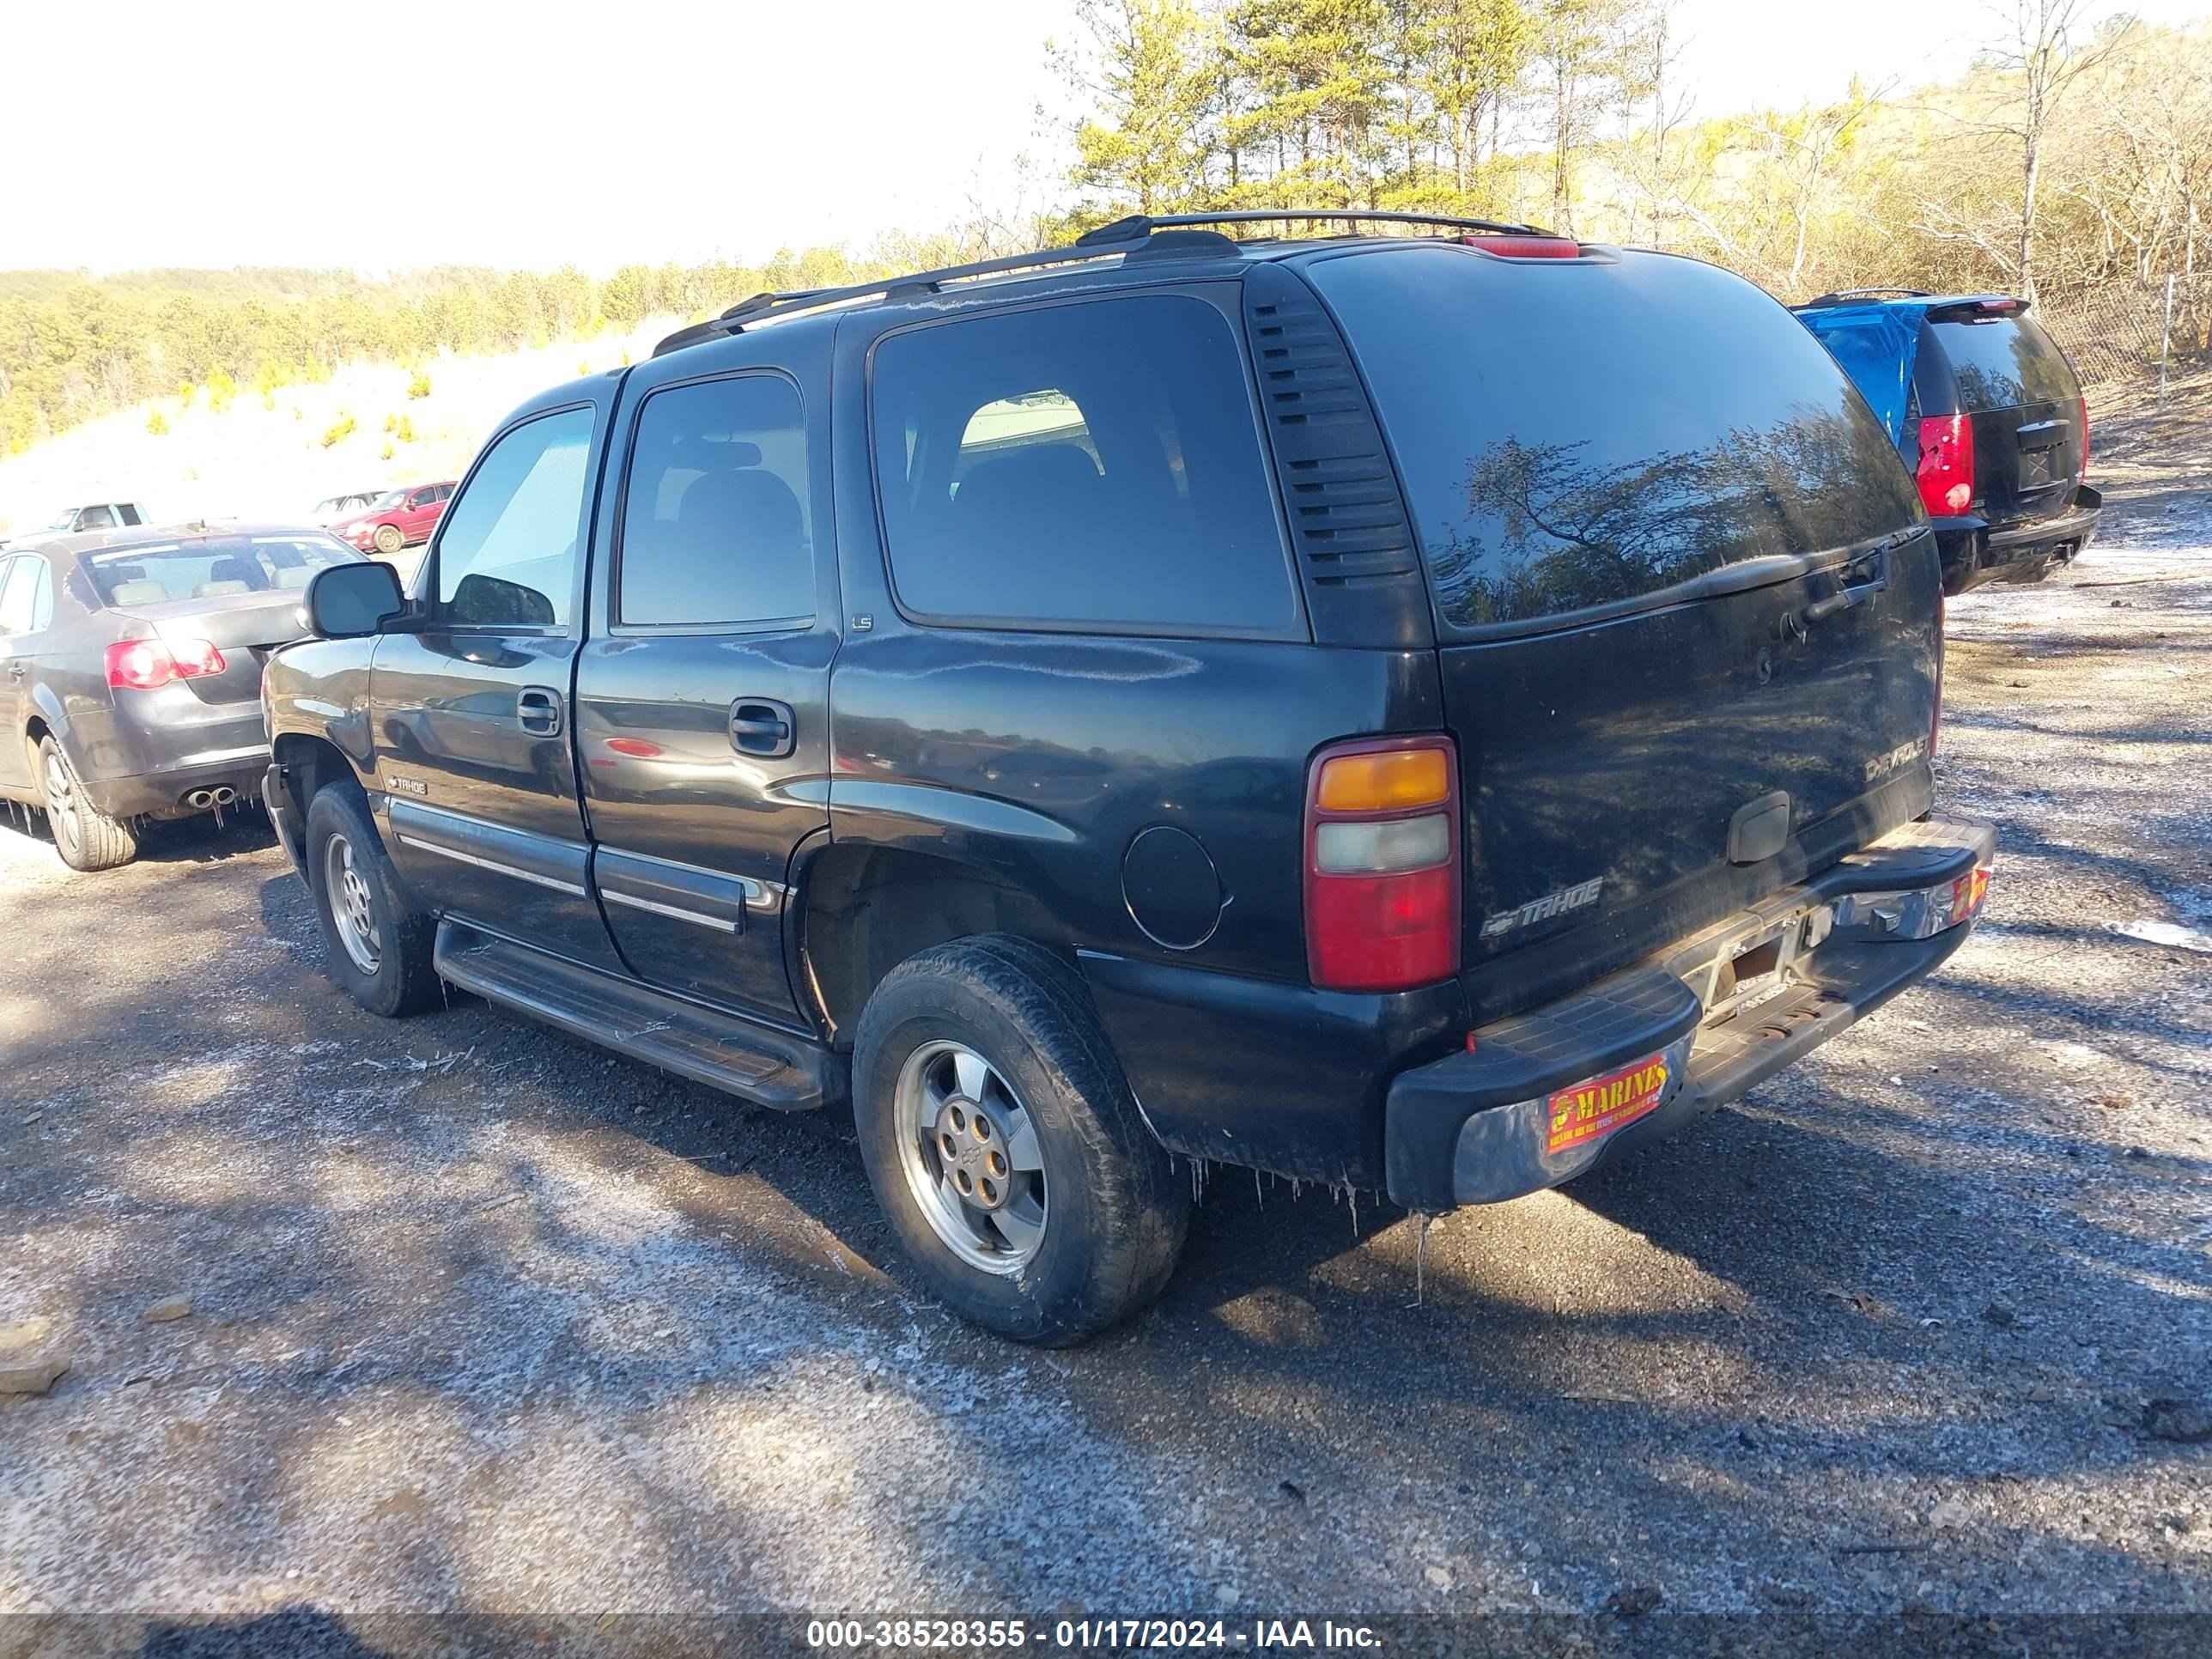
{"x":1706,"y":1338}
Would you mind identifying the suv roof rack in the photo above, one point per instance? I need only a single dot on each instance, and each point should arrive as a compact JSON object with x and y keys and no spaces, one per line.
{"x":1143,"y":224}
{"x":1150,"y":235}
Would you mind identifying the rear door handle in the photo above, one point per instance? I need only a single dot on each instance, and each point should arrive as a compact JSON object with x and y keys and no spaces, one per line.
{"x":538,"y":708}
{"x":763,"y":727}
{"x":16,"y":671}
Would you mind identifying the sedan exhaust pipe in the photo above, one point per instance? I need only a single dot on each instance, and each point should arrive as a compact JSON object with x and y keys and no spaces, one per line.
{"x":224,"y":795}
{"x":200,"y":800}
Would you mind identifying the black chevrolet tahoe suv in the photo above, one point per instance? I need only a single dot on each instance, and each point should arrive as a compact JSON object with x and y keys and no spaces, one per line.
{"x":1419,"y":711}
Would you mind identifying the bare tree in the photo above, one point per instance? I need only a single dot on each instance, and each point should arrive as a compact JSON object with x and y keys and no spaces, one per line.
{"x":2041,"y":51}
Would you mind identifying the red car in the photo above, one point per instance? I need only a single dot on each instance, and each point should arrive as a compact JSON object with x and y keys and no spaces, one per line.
{"x":399,"y":519}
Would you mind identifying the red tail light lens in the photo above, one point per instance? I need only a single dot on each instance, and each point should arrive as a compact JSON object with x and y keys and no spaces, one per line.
{"x":2084,"y":471}
{"x":1946,"y":472}
{"x":1382,"y":864}
{"x":1527,"y":247}
{"x":149,"y":664}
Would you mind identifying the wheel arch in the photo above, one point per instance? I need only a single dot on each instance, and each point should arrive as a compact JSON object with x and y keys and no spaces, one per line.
{"x":308,"y":762}
{"x":862,"y":909}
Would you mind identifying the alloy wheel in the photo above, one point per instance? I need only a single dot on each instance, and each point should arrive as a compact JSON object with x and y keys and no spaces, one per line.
{"x":970,"y":1156}
{"x":351,"y":908}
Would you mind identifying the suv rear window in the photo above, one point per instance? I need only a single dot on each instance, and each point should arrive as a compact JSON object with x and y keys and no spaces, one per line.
{"x":213,"y":569}
{"x":2004,"y":362}
{"x":1087,"y":466}
{"x":1572,"y":436}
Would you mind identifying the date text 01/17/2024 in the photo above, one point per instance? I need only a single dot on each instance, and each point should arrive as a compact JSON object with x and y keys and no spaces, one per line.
{"x":1264,"y":1635}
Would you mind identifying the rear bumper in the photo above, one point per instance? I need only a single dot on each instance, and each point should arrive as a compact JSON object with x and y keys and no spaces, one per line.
{"x":1973,"y":554}
{"x":1546,"y":1095}
{"x":161,"y":792}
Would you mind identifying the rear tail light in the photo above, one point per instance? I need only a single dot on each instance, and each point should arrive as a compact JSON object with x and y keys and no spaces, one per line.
{"x":2084,"y":471}
{"x":1527,"y":247}
{"x":1382,"y":864}
{"x":1946,"y":472}
{"x":149,"y":664}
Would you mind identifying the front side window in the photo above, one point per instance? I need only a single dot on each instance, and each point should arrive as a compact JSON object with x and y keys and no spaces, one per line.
{"x":715,"y":527}
{"x":507,"y":547}
{"x":96,"y":517}
{"x":1093,"y":465}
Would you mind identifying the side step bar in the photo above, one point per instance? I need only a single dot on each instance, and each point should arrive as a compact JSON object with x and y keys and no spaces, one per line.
{"x":724,"y":1051}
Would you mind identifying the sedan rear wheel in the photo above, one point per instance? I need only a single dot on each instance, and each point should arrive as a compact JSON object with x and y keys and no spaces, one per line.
{"x":85,"y":837}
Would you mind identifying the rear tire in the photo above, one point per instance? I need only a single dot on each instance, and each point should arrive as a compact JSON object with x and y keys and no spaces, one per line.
{"x":1080,"y":1224}
{"x":389,"y":539}
{"x":377,"y":942}
{"x":85,"y":837}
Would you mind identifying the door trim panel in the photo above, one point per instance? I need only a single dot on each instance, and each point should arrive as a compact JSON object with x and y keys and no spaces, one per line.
{"x":668,"y":887}
{"x":540,"y":859}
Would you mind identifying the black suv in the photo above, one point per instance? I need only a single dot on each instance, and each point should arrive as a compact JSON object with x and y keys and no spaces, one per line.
{"x":1986,"y":410}
{"x":1424,"y":712}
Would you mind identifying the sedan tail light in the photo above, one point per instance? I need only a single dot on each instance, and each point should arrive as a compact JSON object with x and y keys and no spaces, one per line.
{"x":1382,"y":864}
{"x":149,"y":664}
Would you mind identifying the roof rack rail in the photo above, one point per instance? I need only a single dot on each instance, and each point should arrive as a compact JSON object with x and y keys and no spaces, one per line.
{"x":1143,"y":224}
{"x":763,"y":305}
{"x":1844,"y":294}
{"x":1153,"y":235}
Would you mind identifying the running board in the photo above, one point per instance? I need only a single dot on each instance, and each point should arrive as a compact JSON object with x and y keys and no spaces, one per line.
{"x":724,"y":1051}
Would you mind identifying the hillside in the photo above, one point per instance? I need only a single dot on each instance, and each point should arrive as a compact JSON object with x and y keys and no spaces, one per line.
{"x":249,"y":461}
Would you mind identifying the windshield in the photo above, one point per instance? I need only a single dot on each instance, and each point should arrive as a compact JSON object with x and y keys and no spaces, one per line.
{"x":1581,"y":434}
{"x":389,"y":498}
{"x":217,"y":568}
{"x":67,"y":519}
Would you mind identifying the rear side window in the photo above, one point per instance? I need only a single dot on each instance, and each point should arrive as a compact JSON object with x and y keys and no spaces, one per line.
{"x":22,"y":580}
{"x":1573,"y":437}
{"x":217,"y":568}
{"x":2005,"y":363}
{"x":507,"y":547}
{"x":1087,"y":466}
{"x":714,"y":529}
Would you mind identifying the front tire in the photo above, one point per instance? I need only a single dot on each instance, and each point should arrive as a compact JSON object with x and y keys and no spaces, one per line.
{"x":85,"y":837}
{"x":377,"y":942}
{"x":389,"y":539}
{"x":1005,"y":1146}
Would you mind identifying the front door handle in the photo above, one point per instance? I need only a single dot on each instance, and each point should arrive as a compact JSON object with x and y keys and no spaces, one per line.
{"x":538,"y":708}
{"x":762,"y":726}
{"x":16,"y":671}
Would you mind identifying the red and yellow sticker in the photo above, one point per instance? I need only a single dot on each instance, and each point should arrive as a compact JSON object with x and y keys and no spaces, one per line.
{"x":1584,"y":1111}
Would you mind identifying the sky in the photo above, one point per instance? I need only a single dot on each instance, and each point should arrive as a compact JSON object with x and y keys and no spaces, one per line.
{"x":402,"y":133}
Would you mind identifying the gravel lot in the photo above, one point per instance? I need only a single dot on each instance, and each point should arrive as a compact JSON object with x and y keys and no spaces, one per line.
{"x":481,"y":1318}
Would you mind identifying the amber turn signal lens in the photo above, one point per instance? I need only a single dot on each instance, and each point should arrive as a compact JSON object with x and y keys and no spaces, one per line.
{"x":1384,"y":781}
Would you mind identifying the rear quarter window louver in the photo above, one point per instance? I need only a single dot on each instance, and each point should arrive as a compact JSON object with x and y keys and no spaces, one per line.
{"x":1346,"y":515}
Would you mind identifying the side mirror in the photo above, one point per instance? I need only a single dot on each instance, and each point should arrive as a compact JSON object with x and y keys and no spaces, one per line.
{"x":350,"y":601}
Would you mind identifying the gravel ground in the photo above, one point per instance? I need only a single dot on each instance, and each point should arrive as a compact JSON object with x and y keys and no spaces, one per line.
{"x":483,"y":1319}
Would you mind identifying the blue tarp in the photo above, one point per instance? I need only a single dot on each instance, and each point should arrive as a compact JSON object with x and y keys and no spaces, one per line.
{"x":1875,"y":344}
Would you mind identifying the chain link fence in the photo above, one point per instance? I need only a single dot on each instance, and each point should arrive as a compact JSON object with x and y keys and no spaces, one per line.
{"x":2132,"y":332}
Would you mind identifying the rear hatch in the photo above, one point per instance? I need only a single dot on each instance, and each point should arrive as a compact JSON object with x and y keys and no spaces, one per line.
{"x":1686,"y":598}
{"x":2019,"y":392}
